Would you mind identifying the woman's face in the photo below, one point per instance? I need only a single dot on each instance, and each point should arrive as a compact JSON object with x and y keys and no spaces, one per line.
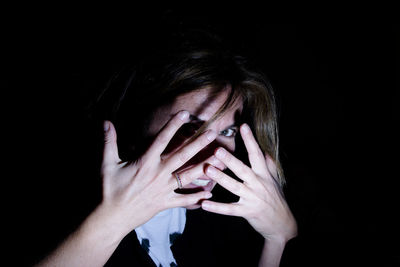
{"x":202,"y":106}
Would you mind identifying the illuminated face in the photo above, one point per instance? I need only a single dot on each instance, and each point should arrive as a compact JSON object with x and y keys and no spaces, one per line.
{"x":201,"y":107}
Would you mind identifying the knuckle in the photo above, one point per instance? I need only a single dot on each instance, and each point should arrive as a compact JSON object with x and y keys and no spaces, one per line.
{"x":243,"y":169}
{"x":219,"y":175}
{"x":177,"y":121}
{"x":236,"y":187}
{"x":106,"y":169}
{"x":183,"y":156}
{"x":258,"y":153}
{"x":188,"y":200}
{"x":204,"y":140}
{"x":227,"y":156}
{"x":175,"y":124}
{"x":108,"y":139}
{"x":162,"y":138}
{"x":187,"y":176}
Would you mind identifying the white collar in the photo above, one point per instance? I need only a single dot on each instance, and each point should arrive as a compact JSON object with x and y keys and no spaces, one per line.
{"x":157,"y":235}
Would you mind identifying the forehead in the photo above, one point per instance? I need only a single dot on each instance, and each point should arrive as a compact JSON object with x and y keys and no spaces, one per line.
{"x":203,"y":103}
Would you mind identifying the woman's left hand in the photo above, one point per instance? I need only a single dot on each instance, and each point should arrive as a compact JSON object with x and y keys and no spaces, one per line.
{"x":261,"y":200}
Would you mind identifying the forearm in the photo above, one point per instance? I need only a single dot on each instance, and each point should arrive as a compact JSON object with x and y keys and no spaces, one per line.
{"x":272,"y":253}
{"x":92,"y":244}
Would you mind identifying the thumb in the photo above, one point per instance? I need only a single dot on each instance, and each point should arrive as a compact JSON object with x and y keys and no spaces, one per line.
{"x":110,"y":151}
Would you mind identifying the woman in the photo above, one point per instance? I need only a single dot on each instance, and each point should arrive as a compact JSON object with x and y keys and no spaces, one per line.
{"x":177,"y":115}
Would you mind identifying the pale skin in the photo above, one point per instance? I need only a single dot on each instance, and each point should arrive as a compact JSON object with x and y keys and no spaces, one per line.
{"x":261,"y":202}
{"x":134,"y":193}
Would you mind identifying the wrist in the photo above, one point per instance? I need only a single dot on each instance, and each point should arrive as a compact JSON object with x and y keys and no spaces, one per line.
{"x":278,"y":241}
{"x":100,"y":226}
{"x":272,"y":251}
{"x":283,"y":236}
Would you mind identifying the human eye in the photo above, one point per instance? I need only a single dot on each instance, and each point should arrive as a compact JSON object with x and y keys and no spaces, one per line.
{"x":230,"y":132}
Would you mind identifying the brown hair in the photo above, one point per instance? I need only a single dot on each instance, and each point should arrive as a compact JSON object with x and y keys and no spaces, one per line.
{"x":190,"y":61}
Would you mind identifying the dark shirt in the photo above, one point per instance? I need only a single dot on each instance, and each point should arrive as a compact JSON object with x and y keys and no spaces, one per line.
{"x":208,"y":240}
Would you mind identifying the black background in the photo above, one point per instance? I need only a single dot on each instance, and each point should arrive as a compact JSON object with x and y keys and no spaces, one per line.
{"x":337,"y":100}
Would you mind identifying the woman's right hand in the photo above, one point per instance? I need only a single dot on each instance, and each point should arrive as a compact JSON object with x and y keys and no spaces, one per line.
{"x":132,"y":194}
{"x":135,"y":192}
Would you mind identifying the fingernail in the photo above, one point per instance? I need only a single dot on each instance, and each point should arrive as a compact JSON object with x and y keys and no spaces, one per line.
{"x":183,"y":115}
{"x":106,"y":126}
{"x":208,"y":194}
{"x":220,"y":152}
{"x":211,"y":170}
{"x":211,"y":135}
{"x":245,"y":128}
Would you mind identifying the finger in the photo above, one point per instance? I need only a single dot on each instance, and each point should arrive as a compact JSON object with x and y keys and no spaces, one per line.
{"x":110,"y":151}
{"x":225,"y":181}
{"x":188,"y":175}
{"x":271,"y":165}
{"x":166,"y":134}
{"x":189,"y":199}
{"x":256,"y":156}
{"x":232,"y":209}
{"x":187,"y":152}
{"x":240,"y":169}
